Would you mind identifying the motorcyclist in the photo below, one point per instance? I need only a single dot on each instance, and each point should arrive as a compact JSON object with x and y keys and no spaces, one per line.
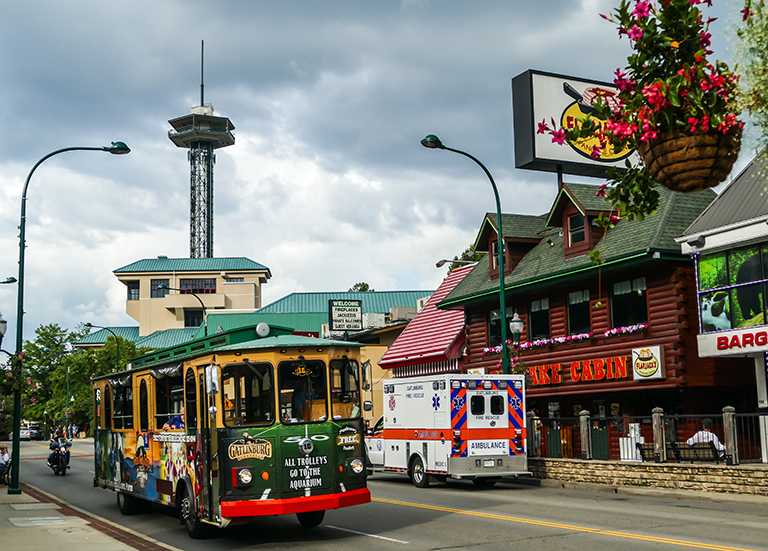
{"x":58,"y":435}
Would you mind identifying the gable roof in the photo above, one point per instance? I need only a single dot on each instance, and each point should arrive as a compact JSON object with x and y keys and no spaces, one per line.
{"x":629,"y":240}
{"x":744,"y":199}
{"x":373,"y":301}
{"x":583,"y":196}
{"x":523,"y":227}
{"x":164,"y":264}
{"x":158,"y":339}
{"x":432,"y":333}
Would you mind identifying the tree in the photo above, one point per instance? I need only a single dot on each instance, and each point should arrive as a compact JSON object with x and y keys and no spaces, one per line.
{"x":469,"y":255}
{"x":752,"y":56}
{"x":361,"y":287}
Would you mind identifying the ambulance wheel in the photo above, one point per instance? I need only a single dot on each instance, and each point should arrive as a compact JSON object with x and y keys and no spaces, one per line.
{"x":310,"y":519}
{"x":418,"y":475}
{"x":484,"y":482}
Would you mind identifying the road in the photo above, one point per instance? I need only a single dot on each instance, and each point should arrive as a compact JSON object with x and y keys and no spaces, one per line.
{"x":448,"y":516}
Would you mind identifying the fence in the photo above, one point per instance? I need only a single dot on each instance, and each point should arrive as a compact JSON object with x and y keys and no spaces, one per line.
{"x":740,"y":438}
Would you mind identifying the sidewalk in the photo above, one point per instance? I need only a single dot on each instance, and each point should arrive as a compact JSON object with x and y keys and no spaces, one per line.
{"x":37,"y":521}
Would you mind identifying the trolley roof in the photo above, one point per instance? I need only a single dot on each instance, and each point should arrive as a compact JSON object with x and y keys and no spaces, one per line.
{"x":241,"y":338}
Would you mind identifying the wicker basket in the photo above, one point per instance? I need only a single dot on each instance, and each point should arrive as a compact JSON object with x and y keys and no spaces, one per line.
{"x":681,"y":161}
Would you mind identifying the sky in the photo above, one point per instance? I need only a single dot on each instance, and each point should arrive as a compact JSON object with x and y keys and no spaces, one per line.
{"x":327,"y":184}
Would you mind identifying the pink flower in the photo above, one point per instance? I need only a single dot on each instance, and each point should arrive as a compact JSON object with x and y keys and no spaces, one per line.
{"x":558,"y":136}
{"x":596,"y":152}
{"x":642,"y":9}
{"x":543,"y":128}
{"x":601,"y":191}
{"x":745,"y":13}
{"x":635,"y":33}
{"x":613,"y":219}
{"x":704,"y":40}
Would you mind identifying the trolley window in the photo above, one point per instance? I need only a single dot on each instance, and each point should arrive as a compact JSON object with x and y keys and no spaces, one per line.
{"x":107,"y":408}
{"x":248,"y":394}
{"x":191,"y":399}
{"x":303,"y":397}
{"x":345,"y":388}
{"x":123,"y":418}
{"x":143,"y":407}
{"x":169,"y":397}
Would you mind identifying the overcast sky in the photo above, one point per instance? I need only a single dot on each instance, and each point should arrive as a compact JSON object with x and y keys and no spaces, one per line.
{"x":327,"y":184}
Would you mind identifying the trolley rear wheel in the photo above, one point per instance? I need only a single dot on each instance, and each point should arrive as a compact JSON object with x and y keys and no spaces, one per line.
{"x":310,"y":519}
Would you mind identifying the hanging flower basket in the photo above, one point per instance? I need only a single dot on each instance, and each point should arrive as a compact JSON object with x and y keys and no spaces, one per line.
{"x":687,"y":162}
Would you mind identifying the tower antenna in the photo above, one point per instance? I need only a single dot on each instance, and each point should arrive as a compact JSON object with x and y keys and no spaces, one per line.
{"x":202,"y":73}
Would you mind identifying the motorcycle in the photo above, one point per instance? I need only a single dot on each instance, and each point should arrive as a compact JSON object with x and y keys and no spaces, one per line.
{"x":58,"y":461}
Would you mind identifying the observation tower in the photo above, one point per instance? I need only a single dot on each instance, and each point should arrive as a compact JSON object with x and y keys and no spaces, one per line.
{"x":201,"y":132}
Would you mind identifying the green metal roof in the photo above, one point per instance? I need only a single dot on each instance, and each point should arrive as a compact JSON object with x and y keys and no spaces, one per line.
{"x":628,"y":240}
{"x":100,"y":337}
{"x":166,"y":338}
{"x":373,"y":301}
{"x":307,"y":322}
{"x":162,"y":264}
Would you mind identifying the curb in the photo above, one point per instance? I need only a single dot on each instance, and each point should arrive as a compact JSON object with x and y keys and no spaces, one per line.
{"x":112,"y":529}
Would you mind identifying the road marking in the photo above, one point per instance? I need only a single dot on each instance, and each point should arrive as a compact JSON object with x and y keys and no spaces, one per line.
{"x":572,"y":527}
{"x":369,"y":535}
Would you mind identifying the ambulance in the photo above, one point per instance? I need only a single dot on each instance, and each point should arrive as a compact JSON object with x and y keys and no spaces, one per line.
{"x":451,"y":426}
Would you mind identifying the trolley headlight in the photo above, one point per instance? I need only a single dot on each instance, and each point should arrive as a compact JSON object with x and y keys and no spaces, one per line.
{"x":245,"y":476}
{"x":357,"y":466}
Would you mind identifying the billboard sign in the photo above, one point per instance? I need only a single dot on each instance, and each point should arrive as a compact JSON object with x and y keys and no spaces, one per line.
{"x":345,"y":315}
{"x":541,"y":97}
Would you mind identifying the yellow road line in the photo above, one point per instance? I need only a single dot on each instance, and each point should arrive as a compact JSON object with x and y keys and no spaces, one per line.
{"x":561,"y":526}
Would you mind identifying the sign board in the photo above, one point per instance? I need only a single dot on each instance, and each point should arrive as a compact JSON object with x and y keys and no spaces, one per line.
{"x":647,"y":363}
{"x":540,"y":97}
{"x":739,"y":342}
{"x":345,"y":315}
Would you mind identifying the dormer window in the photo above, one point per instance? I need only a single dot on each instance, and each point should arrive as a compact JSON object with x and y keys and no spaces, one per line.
{"x":576,"y":231}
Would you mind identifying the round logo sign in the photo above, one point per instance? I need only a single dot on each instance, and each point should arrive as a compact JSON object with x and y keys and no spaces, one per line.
{"x":306,"y":446}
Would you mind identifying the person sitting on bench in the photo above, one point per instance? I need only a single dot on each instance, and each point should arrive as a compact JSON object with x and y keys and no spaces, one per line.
{"x":706,"y":435}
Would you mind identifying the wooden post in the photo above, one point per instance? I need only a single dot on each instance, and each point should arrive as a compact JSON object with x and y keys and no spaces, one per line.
{"x":729,"y":430}
{"x":586,"y":435}
{"x":659,"y":438}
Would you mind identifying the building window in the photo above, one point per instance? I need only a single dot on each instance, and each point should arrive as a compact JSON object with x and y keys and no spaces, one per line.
{"x":731,"y":288}
{"x":198,"y":286}
{"x":235,"y":280}
{"x":578,"y":312}
{"x":538,"y":319}
{"x":494,"y":325}
{"x":193,"y":318}
{"x":133,"y":290}
{"x":576,"y":231}
{"x":628,"y":303}
{"x":154,"y":292}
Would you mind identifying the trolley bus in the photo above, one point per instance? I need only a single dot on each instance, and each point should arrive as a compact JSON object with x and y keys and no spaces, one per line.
{"x":249,"y":422}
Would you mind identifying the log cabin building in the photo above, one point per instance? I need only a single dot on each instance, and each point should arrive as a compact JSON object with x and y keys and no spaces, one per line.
{"x":616,"y":338}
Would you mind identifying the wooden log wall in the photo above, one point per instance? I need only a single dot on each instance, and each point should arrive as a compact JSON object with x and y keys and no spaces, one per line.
{"x":673,"y":325}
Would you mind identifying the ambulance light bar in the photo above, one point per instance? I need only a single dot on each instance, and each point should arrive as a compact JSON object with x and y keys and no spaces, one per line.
{"x":456,"y":384}
{"x":502,"y":385}
{"x":471,"y":385}
{"x":487,"y":385}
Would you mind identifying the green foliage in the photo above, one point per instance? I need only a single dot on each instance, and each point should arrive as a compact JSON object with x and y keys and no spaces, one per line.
{"x":752,"y":56}
{"x":469,"y":255}
{"x":361,"y":287}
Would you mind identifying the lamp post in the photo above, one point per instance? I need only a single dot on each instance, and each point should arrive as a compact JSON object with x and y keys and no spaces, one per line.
{"x":116,"y":148}
{"x":188,"y":292}
{"x":433,"y":142}
{"x":89,"y":325}
{"x":443,"y":262}
{"x":516,"y":326}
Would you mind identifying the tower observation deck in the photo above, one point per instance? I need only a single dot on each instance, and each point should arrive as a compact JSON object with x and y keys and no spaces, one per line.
{"x":201,"y":132}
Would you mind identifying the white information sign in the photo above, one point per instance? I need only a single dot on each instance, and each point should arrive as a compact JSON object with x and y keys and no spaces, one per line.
{"x":345,"y":315}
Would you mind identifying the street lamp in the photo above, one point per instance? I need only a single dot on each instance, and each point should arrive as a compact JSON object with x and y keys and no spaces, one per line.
{"x":116,"y":148}
{"x":516,"y":326}
{"x":433,"y":142}
{"x":89,"y":325}
{"x":3,"y":329}
{"x":188,"y":292}
{"x":443,"y":262}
